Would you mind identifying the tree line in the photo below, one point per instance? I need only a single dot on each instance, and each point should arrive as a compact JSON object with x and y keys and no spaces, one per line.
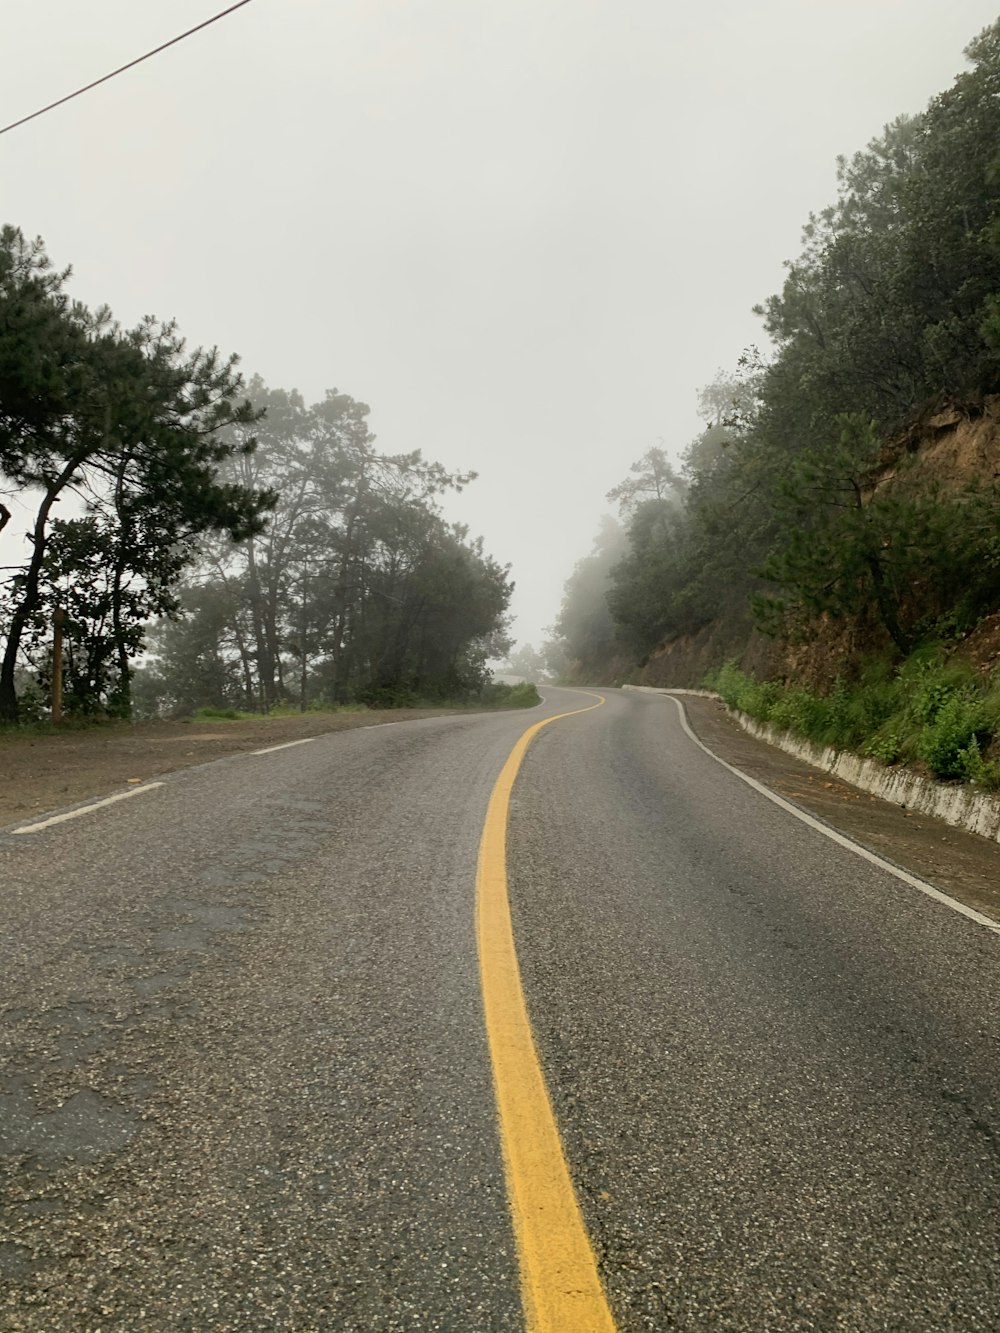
{"x":799,"y":499}
{"x":209,"y":541}
{"x":355,"y":590}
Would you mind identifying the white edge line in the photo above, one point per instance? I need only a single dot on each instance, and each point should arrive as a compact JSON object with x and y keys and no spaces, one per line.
{"x":285,"y":745}
{"x":839,"y":838}
{"x":86,"y":809}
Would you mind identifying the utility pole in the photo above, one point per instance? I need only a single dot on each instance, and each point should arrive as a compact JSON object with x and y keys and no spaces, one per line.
{"x":58,"y":617}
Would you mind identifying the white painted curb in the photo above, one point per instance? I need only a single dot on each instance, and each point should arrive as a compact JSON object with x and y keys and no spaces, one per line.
{"x":960,"y":806}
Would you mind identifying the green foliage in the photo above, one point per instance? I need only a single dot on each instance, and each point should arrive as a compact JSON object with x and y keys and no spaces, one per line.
{"x":930,"y":683}
{"x":891,"y":306}
{"x":742,"y":692}
{"x":194,"y":659}
{"x":526,"y":661}
{"x":288,"y":709}
{"x":33,"y":705}
{"x":884,"y":746}
{"x":652,"y":477}
{"x":973,"y":768}
{"x":956,"y":726}
{"x":645,"y":597}
{"x":317,"y":568}
{"x":805,"y":713}
{"x":847,"y":546}
{"x":132,"y":420}
{"x":928,"y":710}
{"x":498,"y":694}
{"x":357,"y":590}
{"x":795,"y":499}
{"x":388,"y":696}
{"x":524,"y":695}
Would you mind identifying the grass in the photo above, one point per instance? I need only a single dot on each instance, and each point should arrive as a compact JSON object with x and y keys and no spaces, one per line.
{"x":496,"y":694}
{"x":929,"y":711}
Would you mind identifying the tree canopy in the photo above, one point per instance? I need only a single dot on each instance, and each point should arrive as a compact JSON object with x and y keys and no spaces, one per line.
{"x":795,"y":500}
{"x":131,"y":423}
{"x":272,"y":550}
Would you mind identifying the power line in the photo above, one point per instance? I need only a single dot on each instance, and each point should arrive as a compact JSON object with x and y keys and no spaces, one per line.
{"x":121,"y":70}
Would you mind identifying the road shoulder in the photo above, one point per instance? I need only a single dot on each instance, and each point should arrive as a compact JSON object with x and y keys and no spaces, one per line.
{"x":41,"y":773}
{"x":963,"y":865}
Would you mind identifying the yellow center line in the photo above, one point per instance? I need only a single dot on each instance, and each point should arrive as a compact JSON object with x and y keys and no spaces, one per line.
{"x":560,"y":1286}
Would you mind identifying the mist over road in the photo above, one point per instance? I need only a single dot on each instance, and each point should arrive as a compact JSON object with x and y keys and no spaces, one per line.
{"x":246,"y":1082}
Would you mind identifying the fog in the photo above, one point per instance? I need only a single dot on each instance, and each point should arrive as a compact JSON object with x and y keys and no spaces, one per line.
{"x":526,"y":234}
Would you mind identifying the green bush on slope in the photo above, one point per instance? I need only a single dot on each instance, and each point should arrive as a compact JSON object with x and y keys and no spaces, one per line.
{"x":929,"y":711}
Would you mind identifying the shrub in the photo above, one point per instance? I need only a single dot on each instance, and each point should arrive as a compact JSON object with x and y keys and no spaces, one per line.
{"x":930,"y":709}
{"x":388,"y":696}
{"x":33,"y":707}
{"x":872,"y":705}
{"x":885,"y":747}
{"x":804,"y":713}
{"x":523,"y":695}
{"x":928,"y":683}
{"x":743,"y":692}
{"x":498,"y":694}
{"x":946,"y":743}
{"x":980,"y":772}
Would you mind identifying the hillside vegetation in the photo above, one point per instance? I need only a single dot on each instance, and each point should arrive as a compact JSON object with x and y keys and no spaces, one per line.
{"x":840,"y":511}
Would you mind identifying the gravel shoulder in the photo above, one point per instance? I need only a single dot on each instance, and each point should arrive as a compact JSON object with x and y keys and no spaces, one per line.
{"x":39,"y":773}
{"x":962,"y":864}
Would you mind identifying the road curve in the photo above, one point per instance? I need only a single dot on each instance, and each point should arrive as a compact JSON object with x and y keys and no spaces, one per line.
{"x":246,"y":1083}
{"x":775,"y":1065}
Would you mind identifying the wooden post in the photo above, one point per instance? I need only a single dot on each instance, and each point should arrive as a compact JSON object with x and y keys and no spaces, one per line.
{"x":57,"y":663}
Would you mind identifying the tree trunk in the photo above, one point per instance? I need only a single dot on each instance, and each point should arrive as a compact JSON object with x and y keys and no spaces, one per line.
{"x":265,"y":658}
{"x":123,"y":691}
{"x":885,"y":604}
{"x":303,"y":654}
{"x":58,"y":616}
{"x":271,"y":604}
{"x":28,"y":604}
{"x":241,"y":647}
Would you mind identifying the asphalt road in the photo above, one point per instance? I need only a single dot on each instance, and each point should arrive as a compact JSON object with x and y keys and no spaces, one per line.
{"x":246,"y":1085}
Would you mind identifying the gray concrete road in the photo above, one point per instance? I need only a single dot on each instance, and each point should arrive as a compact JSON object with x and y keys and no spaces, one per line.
{"x":245,"y":1084}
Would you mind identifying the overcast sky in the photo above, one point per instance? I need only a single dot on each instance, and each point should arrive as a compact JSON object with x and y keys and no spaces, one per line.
{"x":525,"y":233}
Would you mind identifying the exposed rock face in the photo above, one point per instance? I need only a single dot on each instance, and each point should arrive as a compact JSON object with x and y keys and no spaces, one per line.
{"x":953,"y":448}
